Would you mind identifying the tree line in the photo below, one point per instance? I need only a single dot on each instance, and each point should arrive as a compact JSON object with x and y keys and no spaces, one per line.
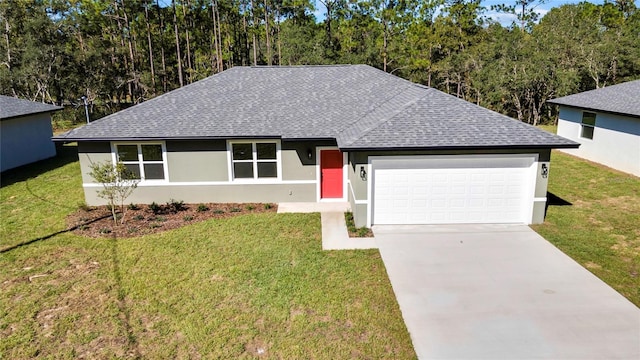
{"x":118,"y":53}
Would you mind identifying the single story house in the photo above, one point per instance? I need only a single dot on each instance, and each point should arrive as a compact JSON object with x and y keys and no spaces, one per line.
{"x":606,"y":122}
{"x":25,"y":132}
{"x":399,"y":152}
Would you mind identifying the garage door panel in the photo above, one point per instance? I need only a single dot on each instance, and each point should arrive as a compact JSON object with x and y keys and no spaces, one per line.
{"x":486,"y":192}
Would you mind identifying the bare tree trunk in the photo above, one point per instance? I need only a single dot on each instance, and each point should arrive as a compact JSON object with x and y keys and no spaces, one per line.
{"x":216,"y":54}
{"x":8,"y":63}
{"x":255,"y":46}
{"x":178,"y":55}
{"x":133,"y":81}
{"x":266,"y":32}
{"x":220,"y":63}
{"x":278,"y":34}
{"x":150,"y":45}
{"x":164,"y":65}
{"x":246,"y":42}
{"x":384,"y":46}
{"x":186,"y":34}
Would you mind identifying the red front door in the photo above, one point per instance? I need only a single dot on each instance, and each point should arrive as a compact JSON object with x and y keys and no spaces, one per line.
{"x":330,"y":174}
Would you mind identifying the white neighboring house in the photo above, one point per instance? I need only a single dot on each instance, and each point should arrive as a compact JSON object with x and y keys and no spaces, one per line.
{"x":606,"y":122}
{"x":25,"y":132}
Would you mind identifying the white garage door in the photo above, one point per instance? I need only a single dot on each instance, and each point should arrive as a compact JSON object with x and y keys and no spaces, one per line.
{"x":453,"y":189}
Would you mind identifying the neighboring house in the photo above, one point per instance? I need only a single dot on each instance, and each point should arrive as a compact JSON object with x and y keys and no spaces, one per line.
{"x":25,"y":132}
{"x":399,"y":152}
{"x":606,"y":122}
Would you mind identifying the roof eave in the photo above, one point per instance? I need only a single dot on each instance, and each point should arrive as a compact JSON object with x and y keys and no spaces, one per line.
{"x":31,"y":113}
{"x":466,"y":148}
{"x":594,"y":109}
{"x":147,"y":138}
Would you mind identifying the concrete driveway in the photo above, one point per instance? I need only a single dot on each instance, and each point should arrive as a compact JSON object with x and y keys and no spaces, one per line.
{"x":502,"y":292}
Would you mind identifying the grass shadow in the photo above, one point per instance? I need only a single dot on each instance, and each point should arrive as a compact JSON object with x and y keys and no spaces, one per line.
{"x":554,"y":200}
{"x":49,"y":236}
{"x":64,"y":155}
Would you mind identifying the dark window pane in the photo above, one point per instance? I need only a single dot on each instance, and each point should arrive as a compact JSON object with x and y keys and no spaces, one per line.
{"x":153,"y":171}
{"x":242,"y":152}
{"x":587,"y":132}
{"x":266,"y":151}
{"x":152,"y":152}
{"x":267,"y":170}
{"x":243,"y":170}
{"x":589,"y":118}
{"x":133,"y":171}
{"x":127,"y":152}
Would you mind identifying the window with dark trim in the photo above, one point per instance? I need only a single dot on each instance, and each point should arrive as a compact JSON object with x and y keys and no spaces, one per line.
{"x":588,"y":124}
{"x":254,"y":160}
{"x":144,"y":161}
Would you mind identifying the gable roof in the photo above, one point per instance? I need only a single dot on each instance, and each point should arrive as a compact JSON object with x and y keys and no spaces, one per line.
{"x":623,"y":99}
{"x":359,"y":106}
{"x":11,"y":107}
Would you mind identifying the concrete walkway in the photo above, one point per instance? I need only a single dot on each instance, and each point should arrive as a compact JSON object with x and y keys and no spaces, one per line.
{"x":334,"y":228}
{"x":502,"y":292}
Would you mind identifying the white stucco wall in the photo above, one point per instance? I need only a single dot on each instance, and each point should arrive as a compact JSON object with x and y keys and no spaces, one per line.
{"x":616,"y":139}
{"x":24,"y":140}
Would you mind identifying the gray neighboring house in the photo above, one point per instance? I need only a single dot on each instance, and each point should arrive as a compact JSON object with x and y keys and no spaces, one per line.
{"x":606,"y":122}
{"x":25,"y":132}
{"x":399,"y":152}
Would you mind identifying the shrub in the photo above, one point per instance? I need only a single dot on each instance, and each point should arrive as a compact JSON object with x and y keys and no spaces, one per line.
{"x":202,"y":207}
{"x":268,"y":206}
{"x":250,"y":207}
{"x":161,"y":218}
{"x":187,"y":218}
{"x":155,"y":208}
{"x":139,"y":217}
{"x":176,"y":205}
{"x":235,"y":209}
{"x":218,"y":211}
{"x":133,"y":206}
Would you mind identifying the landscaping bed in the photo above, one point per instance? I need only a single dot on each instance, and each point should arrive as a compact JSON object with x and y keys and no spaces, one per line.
{"x":356,"y":232}
{"x":97,"y":221}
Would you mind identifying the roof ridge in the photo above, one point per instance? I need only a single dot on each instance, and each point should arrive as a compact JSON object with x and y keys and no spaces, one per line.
{"x":397,"y":110}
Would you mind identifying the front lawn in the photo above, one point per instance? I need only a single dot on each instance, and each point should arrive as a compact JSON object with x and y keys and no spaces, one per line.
{"x":594,"y":218}
{"x":251,"y":286}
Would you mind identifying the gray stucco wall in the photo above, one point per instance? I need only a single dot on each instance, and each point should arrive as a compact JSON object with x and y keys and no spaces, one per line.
{"x":189,"y":161}
{"x":24,"y":140}
{"x":202,"y":162}
{"x":235,"y":193}
{"x":359,"y":187}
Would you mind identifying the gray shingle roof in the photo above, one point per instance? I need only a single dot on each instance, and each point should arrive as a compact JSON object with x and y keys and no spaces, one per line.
{"x":359,"y":106}
{"x":11,"y":107}
{"x":620,"y":99}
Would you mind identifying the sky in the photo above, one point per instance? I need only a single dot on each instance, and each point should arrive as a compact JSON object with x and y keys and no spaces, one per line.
{"x":504,"y":19}
{"x":507,"y":19}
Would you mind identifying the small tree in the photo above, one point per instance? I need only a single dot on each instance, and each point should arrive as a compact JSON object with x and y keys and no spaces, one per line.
{"x":118,"y":183}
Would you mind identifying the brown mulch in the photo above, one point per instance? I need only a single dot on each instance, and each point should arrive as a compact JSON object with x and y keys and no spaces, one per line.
{"x":97,"y":221}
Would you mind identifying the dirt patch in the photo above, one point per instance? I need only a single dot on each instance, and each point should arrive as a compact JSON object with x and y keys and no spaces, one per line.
{"x":140,"y":220}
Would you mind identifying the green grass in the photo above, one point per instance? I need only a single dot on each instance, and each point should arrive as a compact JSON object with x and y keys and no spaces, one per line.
{"x":250,"y":286}
{"x":600,"y":228}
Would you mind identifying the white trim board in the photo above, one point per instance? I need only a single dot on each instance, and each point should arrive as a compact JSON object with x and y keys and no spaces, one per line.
{"x":212,"y":183}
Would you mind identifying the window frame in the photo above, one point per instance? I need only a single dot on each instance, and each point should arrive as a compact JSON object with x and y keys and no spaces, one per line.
{"x":584,"y":125}
{"x":140,"y":161}
{"x":254,"y":161}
